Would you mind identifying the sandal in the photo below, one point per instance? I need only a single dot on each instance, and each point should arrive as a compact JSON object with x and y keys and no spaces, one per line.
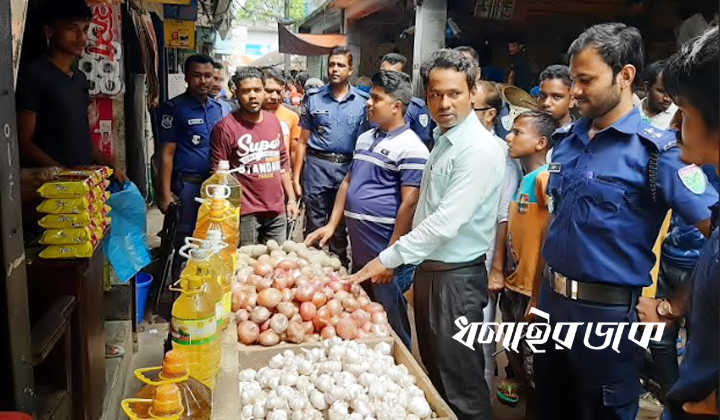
{"x":508,"y":392}
{"x":112,"y":352}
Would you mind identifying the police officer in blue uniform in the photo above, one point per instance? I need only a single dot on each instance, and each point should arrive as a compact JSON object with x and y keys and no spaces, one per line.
{"x":612,"y":180}
{"x":332,"y":118}
{"x":186,"y":122}
{"x":417,"y":113}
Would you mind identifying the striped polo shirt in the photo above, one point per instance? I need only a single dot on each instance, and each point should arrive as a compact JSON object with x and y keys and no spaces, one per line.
{"x":382,"y":164}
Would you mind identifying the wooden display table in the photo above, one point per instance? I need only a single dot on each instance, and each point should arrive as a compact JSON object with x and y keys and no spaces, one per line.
{"x":82,"y":279}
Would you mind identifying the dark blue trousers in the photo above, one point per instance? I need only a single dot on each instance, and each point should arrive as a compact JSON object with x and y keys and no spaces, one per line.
{"x":186,"y":192}
{"x":581,"y":383}
{"x":321,"y":181}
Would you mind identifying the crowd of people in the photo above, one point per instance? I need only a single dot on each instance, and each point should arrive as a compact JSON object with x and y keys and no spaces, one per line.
{"x":560,"y":215}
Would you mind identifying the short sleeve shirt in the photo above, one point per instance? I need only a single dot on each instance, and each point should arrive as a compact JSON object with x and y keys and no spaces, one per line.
{"x":186,"y":121}
{"x":383,"y":163}
{"x":290,"y":124}
{"x":528,"y":215}
{"x":600,"y":191}
{"x":258,"y":152}
{"x":334,"y":125}
{"x":60,"y":102}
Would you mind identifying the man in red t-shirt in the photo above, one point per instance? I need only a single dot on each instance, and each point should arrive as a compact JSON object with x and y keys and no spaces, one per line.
{"x":252,"y":141}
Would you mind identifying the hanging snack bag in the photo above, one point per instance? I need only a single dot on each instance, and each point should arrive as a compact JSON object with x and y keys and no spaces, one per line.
{"x":65,"y":221}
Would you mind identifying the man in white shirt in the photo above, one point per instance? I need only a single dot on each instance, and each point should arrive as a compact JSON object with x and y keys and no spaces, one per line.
{"x":453,"y":230}
{"x":657,"y":108}
{"x":699,"y":23}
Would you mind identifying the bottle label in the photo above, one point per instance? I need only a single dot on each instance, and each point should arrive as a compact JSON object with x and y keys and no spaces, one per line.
{"x":219,"y":311}
{"x":227,"y":303}
{"x":193,"y":332}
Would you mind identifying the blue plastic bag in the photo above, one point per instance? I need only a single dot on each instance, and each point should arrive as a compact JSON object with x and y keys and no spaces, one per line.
{"x":126,"y":246}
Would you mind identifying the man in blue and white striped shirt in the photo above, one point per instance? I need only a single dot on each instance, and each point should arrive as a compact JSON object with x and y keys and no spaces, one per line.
{"x":380,"y":192}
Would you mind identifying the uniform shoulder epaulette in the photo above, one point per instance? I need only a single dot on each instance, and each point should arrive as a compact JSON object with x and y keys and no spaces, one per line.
{"x":417,"y":101}
{"x":314,"y":91}
{"x":663,"y":140}
{"x":562,"y":132}
{"x":362,"y":93}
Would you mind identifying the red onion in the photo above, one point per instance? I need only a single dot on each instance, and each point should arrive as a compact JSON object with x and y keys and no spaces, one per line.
{"x":304,"y":293}
{"x":319,"y":299}
{"x":379,"y":318}
{"x":334,"y":306}
{"x":308,"y":311}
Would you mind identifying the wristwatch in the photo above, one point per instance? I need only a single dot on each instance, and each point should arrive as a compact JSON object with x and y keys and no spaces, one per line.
{"x":664,"y":309}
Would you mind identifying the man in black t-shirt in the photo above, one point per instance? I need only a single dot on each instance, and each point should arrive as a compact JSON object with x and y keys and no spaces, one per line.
{"x":52,"y":96}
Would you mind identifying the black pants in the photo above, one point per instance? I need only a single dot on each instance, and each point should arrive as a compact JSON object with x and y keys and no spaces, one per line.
{"x":455,"y":370}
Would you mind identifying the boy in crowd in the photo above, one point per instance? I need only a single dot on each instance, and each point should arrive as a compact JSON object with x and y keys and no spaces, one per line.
{"x":380,"y":192}
{"x":656,"y":108}
{"x":528,"y":142}
{"x":289,"y":120}
{"x":554,"y":97}
{"x":691,"y":80}
{"x":251,"y":140}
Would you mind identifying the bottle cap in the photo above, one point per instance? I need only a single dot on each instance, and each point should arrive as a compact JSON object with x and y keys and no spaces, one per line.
{"x":223,"y":165}
{"x":167,"y":401}
{"x":174,"y":365}
{"x":194,"y":281}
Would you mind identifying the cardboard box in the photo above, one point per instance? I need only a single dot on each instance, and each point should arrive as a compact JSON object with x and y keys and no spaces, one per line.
{"x":256,"y":357}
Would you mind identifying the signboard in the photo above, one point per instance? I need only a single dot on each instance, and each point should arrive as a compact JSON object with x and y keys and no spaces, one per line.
{"x":176,"y":84}
{"x":495,"y":9}
{"x":179,"y":34}
{"x":18,"y":8}
{"x":183,"y":2}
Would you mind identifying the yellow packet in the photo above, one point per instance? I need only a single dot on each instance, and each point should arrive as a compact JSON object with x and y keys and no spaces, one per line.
{"x":67,"y":187}
{"x":54,"y":252}
{"x":66,"y":206}
{"x":65,"y":221}
{"x":68,"y":236}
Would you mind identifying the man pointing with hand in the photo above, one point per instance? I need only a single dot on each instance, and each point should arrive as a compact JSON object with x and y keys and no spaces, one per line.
{"x":452,"y":231}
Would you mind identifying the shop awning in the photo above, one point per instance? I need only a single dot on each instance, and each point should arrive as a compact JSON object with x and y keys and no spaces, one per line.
{"x":308,"y":44}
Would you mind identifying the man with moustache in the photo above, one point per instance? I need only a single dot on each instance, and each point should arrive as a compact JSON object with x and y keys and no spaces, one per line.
{"x":252,"y":141}
{"x":657,"y":108}
{"x":612,"y":180}
{"x":452,"y":232}
{"x":332,"y":118}
{"x":289,"y":120}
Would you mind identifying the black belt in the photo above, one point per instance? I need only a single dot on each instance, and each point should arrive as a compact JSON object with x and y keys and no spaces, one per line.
{"x":191,"y":178}
{"x":330,"y":157}
{"x":592,"y":292}
{"x":432,"y":265}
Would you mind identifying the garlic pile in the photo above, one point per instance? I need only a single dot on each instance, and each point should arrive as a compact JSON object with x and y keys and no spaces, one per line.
{"x":342,"y":380}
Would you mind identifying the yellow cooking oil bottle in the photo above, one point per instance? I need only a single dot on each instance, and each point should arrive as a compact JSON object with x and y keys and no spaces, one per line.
{"x":193,"y":326}
{"x":223,"y":176}
{"x":166,"y":403}
{"x":219,"y":213}
{"x":206,"y":264}
{"x":221,"y":266}
{"x":196,"y":397}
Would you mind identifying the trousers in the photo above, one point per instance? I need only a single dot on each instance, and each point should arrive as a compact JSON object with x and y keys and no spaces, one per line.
{"x":456,"y":371}
{"x":581,"y":383}
{"x":260,"y":228}
{"x":391,"y":297}
{"x":321,"y":181}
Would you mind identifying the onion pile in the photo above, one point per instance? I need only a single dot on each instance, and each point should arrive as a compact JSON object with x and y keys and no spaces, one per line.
{"x":283,"y":296}
{"x":341,"y":380}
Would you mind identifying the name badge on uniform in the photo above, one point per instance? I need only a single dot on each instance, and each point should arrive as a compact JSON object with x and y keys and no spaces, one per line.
{"x":693,"y":178}
{"x":321,"y":112}
{"x":195,"y":139}
{"x":554,"y":168}
{"x":196,"y":121}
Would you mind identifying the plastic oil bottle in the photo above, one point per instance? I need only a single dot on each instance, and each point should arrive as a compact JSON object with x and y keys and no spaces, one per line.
{"x":193,"y":326}
{"x":218,"y":213}
{"x":166,"y":403}
{"x":207,"y":264}
{"x":196,"y":397}
{"x":223,"y":176}
{"x":221,"y":266}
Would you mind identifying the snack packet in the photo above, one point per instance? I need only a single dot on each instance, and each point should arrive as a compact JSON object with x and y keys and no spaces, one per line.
{"x":105,"y":171}
{"x":67,"y":206}
{"x":69,"y":236}
{"x":65,"y":221}
{"x":66,"y":187}
{"x":53,"y":252}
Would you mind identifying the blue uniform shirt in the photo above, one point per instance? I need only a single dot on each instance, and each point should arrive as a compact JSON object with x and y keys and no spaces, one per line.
{"x":188,"y":123}
{"x":604,"y":221}
{"x":418,"y":116}
{"x":334,"y":125}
